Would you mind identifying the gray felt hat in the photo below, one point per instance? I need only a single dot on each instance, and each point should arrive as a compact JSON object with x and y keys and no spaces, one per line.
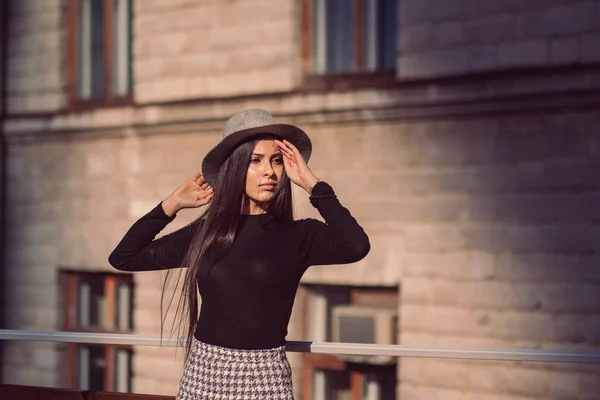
{"x":242,"y":127}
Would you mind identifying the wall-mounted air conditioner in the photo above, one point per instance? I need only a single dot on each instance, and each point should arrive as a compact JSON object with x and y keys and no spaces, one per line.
{"x":363,"y":324}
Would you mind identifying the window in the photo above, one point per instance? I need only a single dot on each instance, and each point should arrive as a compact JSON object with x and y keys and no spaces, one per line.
{"x":98,"y":302}
{"x":328,"y":377}
{"x":350,"y":36}
{"x":100,"y":51}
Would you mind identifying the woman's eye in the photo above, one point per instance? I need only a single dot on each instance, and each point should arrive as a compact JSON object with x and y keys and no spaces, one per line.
{"x":254,"y":160}
{"x":278,"y":160}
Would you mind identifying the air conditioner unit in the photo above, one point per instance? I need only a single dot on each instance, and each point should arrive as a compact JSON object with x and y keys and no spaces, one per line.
{"x":364,"y":324}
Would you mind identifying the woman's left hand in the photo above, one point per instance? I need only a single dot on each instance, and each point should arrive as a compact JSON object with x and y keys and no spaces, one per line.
{"x":295,"y":166}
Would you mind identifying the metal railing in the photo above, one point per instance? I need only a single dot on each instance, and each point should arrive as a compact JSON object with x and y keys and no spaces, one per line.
{"x":558,"y":356}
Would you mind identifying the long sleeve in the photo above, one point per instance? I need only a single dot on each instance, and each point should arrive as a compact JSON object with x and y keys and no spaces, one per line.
{"x":138,"y":251}
{"x":340,"y":240}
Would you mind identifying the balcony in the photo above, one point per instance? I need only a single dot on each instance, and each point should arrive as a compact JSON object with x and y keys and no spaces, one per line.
{"x":14,"y":392}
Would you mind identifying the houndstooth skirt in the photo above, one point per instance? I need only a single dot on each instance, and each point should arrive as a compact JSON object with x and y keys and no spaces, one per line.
{"x":219,"y":373}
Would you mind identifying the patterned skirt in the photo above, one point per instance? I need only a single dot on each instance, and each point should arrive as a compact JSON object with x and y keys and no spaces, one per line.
{"x":219,"y":373}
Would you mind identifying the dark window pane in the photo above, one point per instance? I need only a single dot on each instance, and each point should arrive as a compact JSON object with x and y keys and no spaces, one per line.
{"x":90,"y":49}
{"x":389,"y":17}
{"x":372,"y":23}
{"x":91,"y":303}
{"x":340,"y":36}
{"x":92,"y":366}
{"x":380,"y":34}
{"x":337,"y":385}
{"x":333,"y":36}
{"x":122,"y":56}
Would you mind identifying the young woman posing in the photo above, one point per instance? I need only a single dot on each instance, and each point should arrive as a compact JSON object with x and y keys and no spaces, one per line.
{"x":245,"y":255}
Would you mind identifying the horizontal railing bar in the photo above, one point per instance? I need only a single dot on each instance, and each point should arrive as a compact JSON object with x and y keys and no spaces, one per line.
{"x":357,"y":349}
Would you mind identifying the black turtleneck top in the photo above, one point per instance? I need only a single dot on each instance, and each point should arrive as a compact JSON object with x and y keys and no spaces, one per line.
{"x":248,"y":295}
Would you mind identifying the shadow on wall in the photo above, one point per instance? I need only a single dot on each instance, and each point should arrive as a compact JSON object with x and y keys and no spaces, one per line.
{"x":501,"y":219}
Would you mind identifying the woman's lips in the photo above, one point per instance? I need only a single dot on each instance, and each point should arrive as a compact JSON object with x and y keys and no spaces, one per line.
{"x":268,"y":186}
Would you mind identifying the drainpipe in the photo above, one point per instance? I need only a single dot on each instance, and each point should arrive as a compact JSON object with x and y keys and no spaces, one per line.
{"x":4,"y":9}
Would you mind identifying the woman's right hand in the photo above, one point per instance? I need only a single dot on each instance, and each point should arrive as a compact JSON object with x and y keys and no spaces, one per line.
{"x":193,"y":193}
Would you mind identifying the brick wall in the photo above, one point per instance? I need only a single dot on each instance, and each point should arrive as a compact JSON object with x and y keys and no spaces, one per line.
{"x":36,"y":66}
{"x":500,"y":220}
{"x":444,"y":38}
{"x":209,"y":48}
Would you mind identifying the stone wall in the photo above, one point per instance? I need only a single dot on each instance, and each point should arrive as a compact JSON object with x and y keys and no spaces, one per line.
{"x":36,"y":66}
{"x":211,"y":48}
{"x":501,"y":251}
{"x":444,"y":38}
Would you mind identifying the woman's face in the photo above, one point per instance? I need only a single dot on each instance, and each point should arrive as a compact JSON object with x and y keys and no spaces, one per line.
{"x":264,"y":174}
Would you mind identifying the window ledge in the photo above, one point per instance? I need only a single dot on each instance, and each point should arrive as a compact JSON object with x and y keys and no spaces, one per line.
{"x":86,"y":105}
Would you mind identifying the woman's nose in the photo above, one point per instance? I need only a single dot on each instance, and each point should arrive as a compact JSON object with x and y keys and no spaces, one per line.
{"x":268,"y":170}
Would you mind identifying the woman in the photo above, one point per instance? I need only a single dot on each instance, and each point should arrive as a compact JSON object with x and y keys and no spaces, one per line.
{"x":245,"y":255}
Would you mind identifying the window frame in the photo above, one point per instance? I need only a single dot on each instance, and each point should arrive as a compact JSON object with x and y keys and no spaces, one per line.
{"x":310,"y":361}
{"x":340,"y":81}
{"x":70,"y":282}
{"x":107,"y":99}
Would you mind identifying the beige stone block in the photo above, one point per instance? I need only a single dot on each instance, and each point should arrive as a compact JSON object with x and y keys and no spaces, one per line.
{"x":524,"y":53}
{"x":413,"y":392}
{"x":146,"y":68}
{"x":482,"y":57}
{"x":410,"y":338}
{"x":255,"y":12}
{"x":142,"y":49}
{"x":441,"y":319}
{"x":194,"y":65}
{"x":443,"y":374}
{"x":564,"y":385}
{"x":225,"y":84}
{"x":28,"y":295}
{"x":46,"y":102}
{"x":433,"y":238}
{"x":564,"y":50}
{"x":34,"y":318}
{"x":44,"y":254}
{"x":417,"y":38}
{"x":435,"y":63}
{"x":168,"y":89}
{"x":571,"y":298}
{"x":491,"y":29}
{"x":29,"y":376}
{"x":590,"y":43}
{"x":153,"y":386}
{"x":196,"y":86}
{"x":565,"y":19}
{"x":165,"y":368}
{"x":545,"y":267}
{"x":536,"y":326}
{"x":409,"y":370}
{"x":242,"y":36}
{"x":589,"y":385}
{"x":513,"y":381}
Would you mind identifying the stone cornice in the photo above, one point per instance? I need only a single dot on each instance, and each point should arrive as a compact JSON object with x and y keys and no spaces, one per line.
{"x":478,"y":96}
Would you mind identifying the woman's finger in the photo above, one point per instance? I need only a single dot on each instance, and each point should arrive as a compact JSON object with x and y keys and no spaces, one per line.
{"x":284,"y":149}
{"x":293,"y":148}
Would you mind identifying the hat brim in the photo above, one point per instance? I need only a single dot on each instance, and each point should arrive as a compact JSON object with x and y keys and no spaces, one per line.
{"x":217,"y":156}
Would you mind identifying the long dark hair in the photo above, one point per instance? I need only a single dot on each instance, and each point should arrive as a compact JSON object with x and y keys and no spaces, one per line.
{"x":216,"y":231}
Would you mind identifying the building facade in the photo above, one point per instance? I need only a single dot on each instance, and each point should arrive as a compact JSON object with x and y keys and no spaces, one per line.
{"x":463,"y":135}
